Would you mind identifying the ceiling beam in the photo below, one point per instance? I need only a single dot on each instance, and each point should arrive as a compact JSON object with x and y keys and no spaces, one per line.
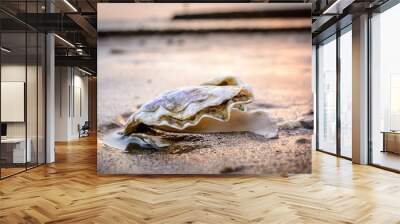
{"x":86,"y":27}
{"x":337,"y":7}
{"x":77,"y":61}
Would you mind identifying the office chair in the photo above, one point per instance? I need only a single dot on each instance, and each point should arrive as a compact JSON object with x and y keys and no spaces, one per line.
{"x":84,"y":130}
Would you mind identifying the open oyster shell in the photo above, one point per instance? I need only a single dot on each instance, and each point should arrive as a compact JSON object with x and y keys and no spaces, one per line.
{"x":181,"y":116}
{"x":214,"y":106}
{"x":185,"y":107}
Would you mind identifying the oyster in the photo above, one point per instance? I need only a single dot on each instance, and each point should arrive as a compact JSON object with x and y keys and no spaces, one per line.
{"x":216,"y":106}
{"x":186,"y":107}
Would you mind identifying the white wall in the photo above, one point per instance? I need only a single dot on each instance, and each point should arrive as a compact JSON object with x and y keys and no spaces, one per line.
{"x":11,"y":73}
{"x":70,"y":84}
{"x":14,"y":73}
{"x":62,"y":82}
{"x":33,"y":126}
{"x":81,"y":82}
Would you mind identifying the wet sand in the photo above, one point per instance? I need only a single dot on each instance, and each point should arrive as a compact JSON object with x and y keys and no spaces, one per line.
{"x":133,"y":71}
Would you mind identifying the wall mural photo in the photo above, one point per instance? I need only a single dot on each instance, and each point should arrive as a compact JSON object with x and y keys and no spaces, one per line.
{"x":189,"y":88}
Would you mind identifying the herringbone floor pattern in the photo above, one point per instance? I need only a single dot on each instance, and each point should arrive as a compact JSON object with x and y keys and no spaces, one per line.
{"x":70,"y":191}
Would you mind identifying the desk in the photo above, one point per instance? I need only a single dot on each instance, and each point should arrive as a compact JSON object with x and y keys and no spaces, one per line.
{"x":15,"y":148}
{"x":391,"y":141}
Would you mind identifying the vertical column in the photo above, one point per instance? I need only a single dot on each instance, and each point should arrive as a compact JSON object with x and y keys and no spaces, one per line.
{"x":50,"y":92}
{"x":338,"y":91}
{"x":50,"y":98}
{"x":360,"y":89}
{"x":92,"y":103}
{"x":315,"y":92}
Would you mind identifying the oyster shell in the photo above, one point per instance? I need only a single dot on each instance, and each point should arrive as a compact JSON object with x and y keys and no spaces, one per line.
{"x":186,"y":107}
{"x":256,"y":121}
{"x":167,"y":123}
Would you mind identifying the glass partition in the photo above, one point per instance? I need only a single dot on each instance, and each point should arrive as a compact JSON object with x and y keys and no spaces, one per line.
{"x":346,"y":93}
{"x":32,"y":87}
{"x":385,"y":89}
{"x":41,"y":96}
{"x":31,"y":99}
{"x":327,"y":96}
{"x":22,"y":77}
{"x":13,"y":94}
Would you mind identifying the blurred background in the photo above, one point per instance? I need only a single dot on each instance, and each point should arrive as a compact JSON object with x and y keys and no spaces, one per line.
{"x":191,"y":16}
{"x":148,"y":46}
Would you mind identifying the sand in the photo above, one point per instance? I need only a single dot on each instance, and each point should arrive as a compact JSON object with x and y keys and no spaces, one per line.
{"x":134,"y":70}
{"x":224,"y":153}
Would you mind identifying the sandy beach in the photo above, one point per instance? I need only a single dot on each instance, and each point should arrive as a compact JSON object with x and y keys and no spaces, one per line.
{"x":134,"y":70}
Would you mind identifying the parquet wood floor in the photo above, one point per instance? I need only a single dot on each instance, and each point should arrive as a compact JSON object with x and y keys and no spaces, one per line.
{"x":70,"y":191}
